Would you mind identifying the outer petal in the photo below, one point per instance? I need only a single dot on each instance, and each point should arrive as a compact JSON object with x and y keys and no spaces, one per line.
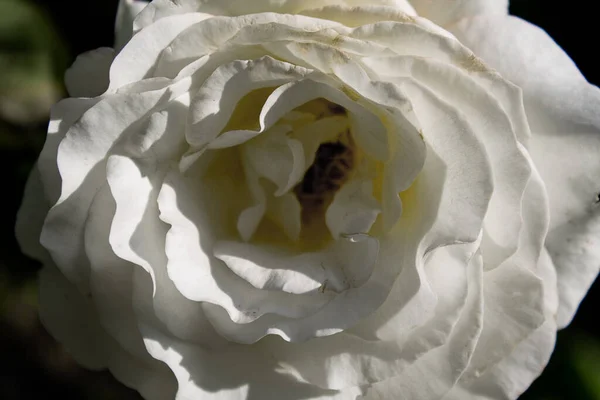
{"x":162,"y":8}
{"x":44,"y":181}
{"x":236,"y":373}
{"x":433,"y":374}
{"x":126,"y":13}
{"x":509,"y":378}
{"x":563,"y":111}
{"x":444,"y":12}
{"x":71,"y":318}
{"x":62,"y":116}
{"x":88,"y":76}
{"x":30,"y":218}
{"x":65,"y":222}
{"x":513,"y":374}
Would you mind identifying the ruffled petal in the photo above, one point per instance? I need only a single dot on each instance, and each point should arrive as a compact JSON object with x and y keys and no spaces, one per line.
{"x":193,"y":267}
{"x":138,"y":236}
{"x":136,"y":61}
{"x":263,"y":269}
{"x":114,"y":308}
{"x":510,"y":377}
{"x":159,"y":9}
{"x":434,"y":374}
{"x":354,"y":16}
{"x":348,"y":267}
{"x":562,"y":110}
{"x":63,"y":115}
{"x":444,"y":13}
{"x":386,"y":255}
{"x":334,"y":362}
{"x":216,"y":100}
{"x":235,"y":373}
{"x":126,"y":13}
{"x":62,"y":234}
{"x":245,"y":33}
{"x":194,"y":233}
{"x":431,"y":210}
{"x":345,"y":360}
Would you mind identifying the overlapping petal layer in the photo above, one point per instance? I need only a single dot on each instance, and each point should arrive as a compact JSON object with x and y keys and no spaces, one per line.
{"x":562,"y":108}
{"x":417,"y":273}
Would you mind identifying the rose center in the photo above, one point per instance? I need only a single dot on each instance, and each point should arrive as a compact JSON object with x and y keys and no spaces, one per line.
{"x":301,"y":175}
{"x":332,"y":166}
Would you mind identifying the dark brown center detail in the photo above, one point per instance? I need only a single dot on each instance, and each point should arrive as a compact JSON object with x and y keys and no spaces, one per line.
{"x":330,"y":170}
{"x":336,"y":109}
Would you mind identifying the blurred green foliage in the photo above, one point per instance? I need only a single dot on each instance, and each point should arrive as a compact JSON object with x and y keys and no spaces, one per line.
{"x":35,"y":48}
{"x":31,"y":59}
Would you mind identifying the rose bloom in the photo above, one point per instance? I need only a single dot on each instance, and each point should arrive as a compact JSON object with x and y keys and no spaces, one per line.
{"x":318,"y":199}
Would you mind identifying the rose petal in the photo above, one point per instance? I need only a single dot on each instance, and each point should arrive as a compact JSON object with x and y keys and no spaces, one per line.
{"x":126,"y":13}
{"x":88,"y":76}
{"x":266,"y":269}
{"x":443,"y":13}
{"x":367,"y":129}
{"x":506,"y":325}
{"x":364,"y":14}
{"x":71,"y":318}
{"x":513,"y":374}
{"x":62,"y":234}
{"x":449,"y":135}
{"x":62,"y":116}
{"x":496,"y":131}
{"x":215,"y":101}
{"x":353,"y":209}
{"x":561,"y":108}
{"x":30,"y":218}
{"x":316,"y":132}
{"x":114,"y":309}
{"x":141,"y":53}
{"x":241,"y":33}
{"x":419,"y":40}
{"x":234,"y":373}
{"x":250,"y":218}
{"x":276,"y":157}
{"x":432,"y":375}
{"x":345,"y":360}
{"x":85,"y":338}
{"x":346,"y":266}
{"x":138,"y":236}
{"x":163,"y":8}
{"x":431,"y":212}
{"x":286,"y":212}
{"x":196,"y":272}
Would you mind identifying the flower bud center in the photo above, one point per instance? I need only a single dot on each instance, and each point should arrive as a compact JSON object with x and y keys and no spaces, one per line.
{"x":332,"y":166}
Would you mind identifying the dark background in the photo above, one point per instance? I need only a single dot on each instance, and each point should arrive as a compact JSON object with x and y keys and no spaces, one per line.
{"x":38,"y":40}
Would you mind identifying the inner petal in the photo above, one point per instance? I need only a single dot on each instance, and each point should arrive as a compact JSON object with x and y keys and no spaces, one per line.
{"x":277,"y":157}
{"x":296,"y":168}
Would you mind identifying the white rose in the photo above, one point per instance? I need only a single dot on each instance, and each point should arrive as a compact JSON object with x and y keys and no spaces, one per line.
{"x":327,"y":199}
